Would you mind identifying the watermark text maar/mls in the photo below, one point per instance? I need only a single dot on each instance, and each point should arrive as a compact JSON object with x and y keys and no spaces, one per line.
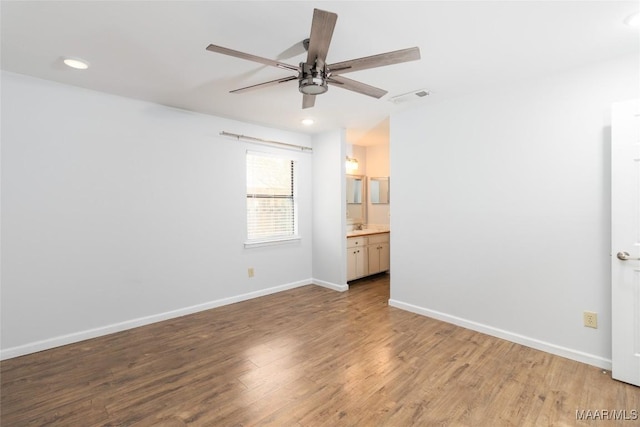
{"x":607,"y":414}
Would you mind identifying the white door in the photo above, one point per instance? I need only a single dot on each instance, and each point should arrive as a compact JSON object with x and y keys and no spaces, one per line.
{"x":625,"y":241}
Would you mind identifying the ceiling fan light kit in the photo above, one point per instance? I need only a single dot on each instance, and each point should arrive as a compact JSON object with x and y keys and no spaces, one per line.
{"x":315,"y":75}
{"x":312,"y":80}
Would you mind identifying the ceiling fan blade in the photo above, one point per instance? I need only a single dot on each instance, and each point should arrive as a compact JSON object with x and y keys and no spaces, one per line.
{"x":254,"y":58}
{"x":355,"y":86}
{"x":321,"y":32}
{"x":265,"y":84}
{"x":293,"y":51}
{"x":308,"y":101}
{"x":380,"y":60}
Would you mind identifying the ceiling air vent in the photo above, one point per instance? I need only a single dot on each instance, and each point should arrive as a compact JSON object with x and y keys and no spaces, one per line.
{"x":411,"y":96}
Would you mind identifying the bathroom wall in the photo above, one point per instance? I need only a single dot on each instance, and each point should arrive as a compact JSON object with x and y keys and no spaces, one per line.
{"x":373,"y":148}
{"x":378,"y":166}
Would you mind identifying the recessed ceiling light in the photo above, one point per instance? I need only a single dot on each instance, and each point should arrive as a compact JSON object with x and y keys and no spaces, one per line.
{"x":633,"y":20}
{"x":307,"y":122}
{"x":77,"y":63}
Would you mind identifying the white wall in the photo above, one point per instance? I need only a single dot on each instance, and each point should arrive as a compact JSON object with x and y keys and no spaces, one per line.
{"x":329,"y":210}
{"x":117,"y":212}
{"x":501,"y":205}
{"x":378,"y":166}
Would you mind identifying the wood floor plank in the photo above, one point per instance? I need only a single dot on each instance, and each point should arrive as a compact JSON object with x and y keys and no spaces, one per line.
{"x":305,"y":357}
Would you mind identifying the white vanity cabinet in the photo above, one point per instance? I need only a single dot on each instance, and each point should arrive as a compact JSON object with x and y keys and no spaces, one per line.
{"x":378,"y":249}
{"x":357,"y":259}
{"x":367,"y":255}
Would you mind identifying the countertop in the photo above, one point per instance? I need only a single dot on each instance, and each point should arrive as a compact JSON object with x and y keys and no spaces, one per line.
{"x":365,"y":232}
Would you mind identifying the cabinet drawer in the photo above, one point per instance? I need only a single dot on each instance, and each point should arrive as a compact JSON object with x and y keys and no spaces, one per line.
{"x":355,"y":242}
{"x":379,"y":238}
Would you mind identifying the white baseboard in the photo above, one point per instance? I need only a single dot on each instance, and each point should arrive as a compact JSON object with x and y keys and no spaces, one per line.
{"x":333,"y":286}
{"x":142,"y":321}
{"x":510,"y":336}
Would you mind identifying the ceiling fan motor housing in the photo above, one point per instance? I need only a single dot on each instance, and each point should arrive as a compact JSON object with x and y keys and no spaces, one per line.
{"x":312,"y":80}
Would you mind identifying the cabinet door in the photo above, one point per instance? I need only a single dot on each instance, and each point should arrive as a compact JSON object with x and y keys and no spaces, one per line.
{"x":384,"y":256}
{"x":378,"y":258}
{"x":362,"y":263}
{"x":374,"y":259}
{"x":357,"y":263}
{"x":352,"y":263}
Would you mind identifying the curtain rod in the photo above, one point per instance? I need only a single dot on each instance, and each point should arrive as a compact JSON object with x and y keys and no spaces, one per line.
{"x":266,"y":141}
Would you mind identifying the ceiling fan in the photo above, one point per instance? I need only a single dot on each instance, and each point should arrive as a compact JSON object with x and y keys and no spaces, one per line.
{"x":315,"y":74}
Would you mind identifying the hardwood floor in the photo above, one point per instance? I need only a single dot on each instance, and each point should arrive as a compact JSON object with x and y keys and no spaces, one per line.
{"x":308,"y":357}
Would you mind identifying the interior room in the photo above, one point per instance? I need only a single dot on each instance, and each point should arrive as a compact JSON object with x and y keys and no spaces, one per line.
{"x":452,"y":182}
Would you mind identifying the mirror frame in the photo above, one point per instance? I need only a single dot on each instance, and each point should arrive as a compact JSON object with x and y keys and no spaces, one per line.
{"x":363,"y":204}
{"x":380,"y":178}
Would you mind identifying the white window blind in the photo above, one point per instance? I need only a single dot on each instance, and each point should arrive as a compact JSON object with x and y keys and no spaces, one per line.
{"x":271,"y":204}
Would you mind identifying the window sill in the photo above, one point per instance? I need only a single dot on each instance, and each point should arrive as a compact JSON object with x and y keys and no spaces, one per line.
{"x":271,"y":242}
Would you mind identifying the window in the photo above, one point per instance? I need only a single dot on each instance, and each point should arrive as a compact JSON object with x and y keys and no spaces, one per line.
{"x":271,"y":203}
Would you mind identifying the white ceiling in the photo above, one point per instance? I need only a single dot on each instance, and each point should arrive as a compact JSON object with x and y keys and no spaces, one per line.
{"x":155,"y":50}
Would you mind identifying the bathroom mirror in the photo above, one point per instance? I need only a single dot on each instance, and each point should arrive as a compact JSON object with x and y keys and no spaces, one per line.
{"x":379,"y":190}
{"x":355,"y":199}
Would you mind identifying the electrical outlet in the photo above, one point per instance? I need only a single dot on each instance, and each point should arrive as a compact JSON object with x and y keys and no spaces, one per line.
{"x":590,"y":319}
